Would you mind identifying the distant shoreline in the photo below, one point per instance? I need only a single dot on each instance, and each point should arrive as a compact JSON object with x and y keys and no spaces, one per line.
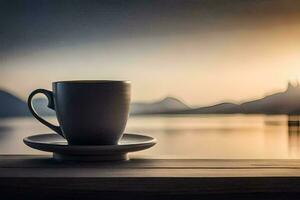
{"x":282,"y":103}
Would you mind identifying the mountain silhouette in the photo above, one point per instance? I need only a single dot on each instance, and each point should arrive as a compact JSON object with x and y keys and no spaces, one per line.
{"x":12,"y":106}
{"x":165,"y":105}
{"x":286,"y":102}
{"x":168,"y":104}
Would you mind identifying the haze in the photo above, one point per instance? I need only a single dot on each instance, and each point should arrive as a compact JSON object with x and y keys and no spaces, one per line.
{"x":200,"y":51}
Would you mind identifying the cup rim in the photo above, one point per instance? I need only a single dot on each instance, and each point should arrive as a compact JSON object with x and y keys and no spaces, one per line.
{"x":93,"y":81}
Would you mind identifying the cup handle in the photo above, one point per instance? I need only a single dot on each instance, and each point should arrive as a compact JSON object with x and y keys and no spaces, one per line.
{"x":49,"y":96}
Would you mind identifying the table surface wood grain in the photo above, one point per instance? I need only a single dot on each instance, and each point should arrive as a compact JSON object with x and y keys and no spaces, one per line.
{"x":150,"y":176}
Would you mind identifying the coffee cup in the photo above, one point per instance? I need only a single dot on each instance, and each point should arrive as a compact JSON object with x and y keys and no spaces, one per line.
{"x":93,"y":112}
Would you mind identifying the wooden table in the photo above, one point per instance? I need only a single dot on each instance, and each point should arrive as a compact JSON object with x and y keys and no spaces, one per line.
{"x":41,"y":177}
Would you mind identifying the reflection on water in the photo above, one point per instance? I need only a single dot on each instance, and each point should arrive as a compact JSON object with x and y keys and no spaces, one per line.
{"x":294,"y":135}
{"x":198,"y":136}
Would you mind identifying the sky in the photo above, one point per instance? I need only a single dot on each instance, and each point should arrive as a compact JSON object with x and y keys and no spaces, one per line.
{"x":202,"y":52}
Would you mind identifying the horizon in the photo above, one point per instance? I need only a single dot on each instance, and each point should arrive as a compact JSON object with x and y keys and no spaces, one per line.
{"x":293,"y":84}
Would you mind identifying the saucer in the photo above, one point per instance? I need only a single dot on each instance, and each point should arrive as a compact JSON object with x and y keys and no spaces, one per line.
{"x":62,"y":151}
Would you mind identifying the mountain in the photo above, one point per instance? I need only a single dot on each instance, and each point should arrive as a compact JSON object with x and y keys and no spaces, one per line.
{"x":168,"y":104}
{"x":165,"y":105}
{"x":287,"y":102}
{"x":221,"y":108}
{"x":12,"y":106}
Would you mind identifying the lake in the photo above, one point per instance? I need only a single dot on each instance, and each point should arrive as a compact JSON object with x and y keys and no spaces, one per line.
{"x":187,"y":136}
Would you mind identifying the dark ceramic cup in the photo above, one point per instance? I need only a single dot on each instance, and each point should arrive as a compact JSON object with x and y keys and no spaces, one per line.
{"x":88,"y":112}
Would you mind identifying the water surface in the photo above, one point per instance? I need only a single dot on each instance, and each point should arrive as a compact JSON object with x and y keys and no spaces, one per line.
{"x":187,"y":136}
